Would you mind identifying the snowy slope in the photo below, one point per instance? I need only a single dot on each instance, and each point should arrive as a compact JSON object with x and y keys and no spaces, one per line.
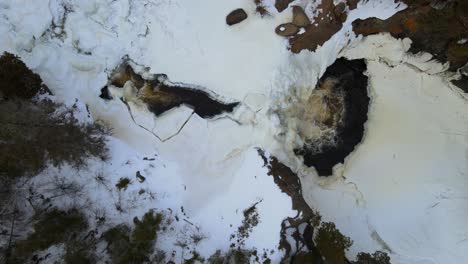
{"x":402,"y":190}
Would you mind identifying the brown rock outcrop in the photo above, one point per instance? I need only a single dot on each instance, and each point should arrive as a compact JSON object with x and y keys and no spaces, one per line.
{"x":437,"y":31}
{"x":325,"y":26}
{"x":282,"y":4}
{"x":300,"y":18}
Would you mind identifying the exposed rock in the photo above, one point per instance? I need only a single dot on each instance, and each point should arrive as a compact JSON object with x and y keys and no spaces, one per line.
{"x":352,"y":4}
{"x":160,"y":95}
{"x":105,"y":93}
{"x":462,"y":83}
{"x":282,"y":4}
{"x":325,"y":26}
{"x":125,"y":73}
{"x":140,"y":177}
{"x":300,"y":18}
{"x":339,"y":9}
{"x":287,"y":30}
{"x":236,"y":17}
{"x":464,"y":70}
{"x":437,"y":31}
{"x":340,"y":12}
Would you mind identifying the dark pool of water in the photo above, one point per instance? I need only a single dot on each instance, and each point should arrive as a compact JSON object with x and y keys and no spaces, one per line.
{"x":349,"y":133}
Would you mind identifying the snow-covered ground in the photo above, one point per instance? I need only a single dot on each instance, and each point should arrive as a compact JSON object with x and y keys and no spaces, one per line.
{"x":402,"y":190}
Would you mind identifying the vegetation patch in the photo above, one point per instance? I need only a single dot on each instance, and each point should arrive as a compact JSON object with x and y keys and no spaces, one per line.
{"x":377,"y":257}
{"x":123,"y":183}
{"x":261,"y":8}
{"x":196,"y":258}
{"x":80,"y":251}
{"x":332,"y":244}
{"x":35,"y":132}
{"x":51,"y":228}
{"x":133,"y":246}
{"x":306,"y":258}
{"x":251,"y":220}
{"x":16,"y":79}
{"x":237,"y":256}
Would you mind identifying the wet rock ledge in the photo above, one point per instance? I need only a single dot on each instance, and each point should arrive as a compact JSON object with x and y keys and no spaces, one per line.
{"x":160,"y":95}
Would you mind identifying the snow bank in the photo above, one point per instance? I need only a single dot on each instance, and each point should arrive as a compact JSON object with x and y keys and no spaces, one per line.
{"x":210,"y":171}
{"x":402,"y":190}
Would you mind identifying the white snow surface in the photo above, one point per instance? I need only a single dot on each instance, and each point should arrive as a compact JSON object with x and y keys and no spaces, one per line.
{"x":402,"y":190}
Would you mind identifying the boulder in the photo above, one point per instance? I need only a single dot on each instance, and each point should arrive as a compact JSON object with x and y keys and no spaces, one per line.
{"x":236,"y":17}
{"x":300,"y":18}
{"x":339,"y":9}
{"x":286,"y":30}
{"x":352,"y":4}
{"x":282,"y":4}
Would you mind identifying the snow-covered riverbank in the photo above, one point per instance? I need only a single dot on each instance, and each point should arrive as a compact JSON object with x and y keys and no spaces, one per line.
{"x":401,"y":190}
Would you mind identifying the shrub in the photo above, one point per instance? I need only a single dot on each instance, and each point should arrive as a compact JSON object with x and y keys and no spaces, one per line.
{"x":216,"y":258}
{"x":260,"y":8}
{"x":51,"y":228}
{"x":16,"y":79}
{"x":304,"y":258}
{"x":377,"y":257}
{"x":123,"y":183}
{"x":79,"y":252}
{"x":196,"y":258}
{"x":332,"y":244}
{"x":237,"y":256}
{"x":136,"y":246}
{"x":33,"y":134}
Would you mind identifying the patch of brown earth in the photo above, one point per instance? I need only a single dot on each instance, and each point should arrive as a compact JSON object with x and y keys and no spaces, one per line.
{"x":437,"y":27}
{"x":325,"y":25}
